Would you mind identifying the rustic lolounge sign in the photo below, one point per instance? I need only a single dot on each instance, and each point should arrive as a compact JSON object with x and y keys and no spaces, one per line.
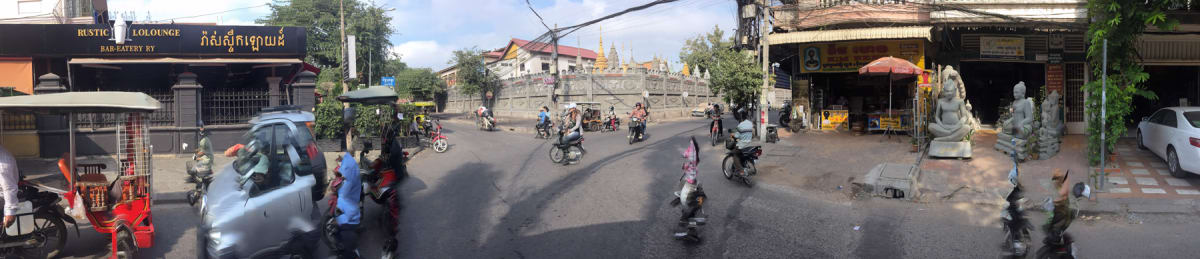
{"x":150,"y":40}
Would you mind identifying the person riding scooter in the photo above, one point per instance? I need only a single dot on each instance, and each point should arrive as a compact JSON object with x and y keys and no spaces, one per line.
{"x":639,"y":112}
{"x":199,"y":170}
{"x":743,"y":136}
{"x":1063,"y":213}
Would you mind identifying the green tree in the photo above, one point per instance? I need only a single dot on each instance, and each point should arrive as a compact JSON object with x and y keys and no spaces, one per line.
{"x":1120,"y":22}
{"x":701,"y":51}
{"x":421,"y":84}
{"x":472,"y":77}
{"x":736,"y":75}
{"x":370,"y":25}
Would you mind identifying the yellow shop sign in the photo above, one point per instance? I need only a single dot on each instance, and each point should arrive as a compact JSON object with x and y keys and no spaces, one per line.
{"x":849,"y":56}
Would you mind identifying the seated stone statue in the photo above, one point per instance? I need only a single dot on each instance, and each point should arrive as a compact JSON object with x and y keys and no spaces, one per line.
{"x":949,"y":123}
{"x":952,"y":126}
{"x":1019,"y":126}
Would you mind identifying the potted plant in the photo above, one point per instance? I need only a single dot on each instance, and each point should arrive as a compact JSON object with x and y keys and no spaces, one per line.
{"x":915,"y":145}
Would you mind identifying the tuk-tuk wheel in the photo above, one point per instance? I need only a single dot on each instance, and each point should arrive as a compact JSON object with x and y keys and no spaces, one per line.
{"x":125,"y":247}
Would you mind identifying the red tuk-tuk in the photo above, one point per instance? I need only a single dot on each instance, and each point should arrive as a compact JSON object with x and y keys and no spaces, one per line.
{"x":116,"y":202}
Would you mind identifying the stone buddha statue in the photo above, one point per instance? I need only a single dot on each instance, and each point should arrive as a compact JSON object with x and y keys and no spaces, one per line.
{"x":952,"y":124}
{"x":1019,"y":126}
{"x":949,"y":123}
{"x":1052,"y":127}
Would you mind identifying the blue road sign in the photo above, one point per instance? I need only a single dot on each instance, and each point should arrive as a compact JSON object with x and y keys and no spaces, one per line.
{"x":388,"y":81}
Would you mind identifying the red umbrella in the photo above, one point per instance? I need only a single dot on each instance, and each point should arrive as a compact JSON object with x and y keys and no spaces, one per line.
{"x":894,"y":68}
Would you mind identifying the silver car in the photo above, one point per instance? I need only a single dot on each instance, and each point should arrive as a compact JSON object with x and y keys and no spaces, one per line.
{"x":262,"y":204}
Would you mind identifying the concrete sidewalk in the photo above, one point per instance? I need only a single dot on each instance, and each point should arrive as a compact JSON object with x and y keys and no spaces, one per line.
{"x":525,"y":125}
{"x":832,"y":161}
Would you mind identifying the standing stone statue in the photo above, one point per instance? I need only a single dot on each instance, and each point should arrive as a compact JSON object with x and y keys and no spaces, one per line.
{"x":1019,"y":126}
{"x":951,"y":127}
{"x":1049,"y":135}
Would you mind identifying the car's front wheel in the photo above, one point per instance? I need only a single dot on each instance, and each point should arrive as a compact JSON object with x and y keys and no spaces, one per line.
{"x":1173,"y":163}
{"x":1141,"y":143}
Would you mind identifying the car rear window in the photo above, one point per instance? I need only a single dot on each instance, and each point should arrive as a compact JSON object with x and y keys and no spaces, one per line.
{"x":1193,"y":118}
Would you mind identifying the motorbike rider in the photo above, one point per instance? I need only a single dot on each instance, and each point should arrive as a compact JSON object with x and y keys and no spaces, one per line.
{"x":744,"y":134}
{"x":393,"y":146}
{"x":8,"y":186}
{"x":575,"y":126}
{"x":202,"y":165}
{"x":348,"y":197}
{"x":714,"y":113}
{"x":543,"y":117}
{"x":484,"y":114}
{"x":639,"y":112}
{"x":691,"y":158}
{"x":1062,"y":214}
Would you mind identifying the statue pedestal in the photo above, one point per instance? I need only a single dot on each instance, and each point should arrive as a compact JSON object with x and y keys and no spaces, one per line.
{"x":1004,"y":143}
{"x":956,"y":149}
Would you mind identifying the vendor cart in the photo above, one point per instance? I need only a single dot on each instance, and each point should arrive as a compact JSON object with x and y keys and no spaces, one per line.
{"x":117,"y":202}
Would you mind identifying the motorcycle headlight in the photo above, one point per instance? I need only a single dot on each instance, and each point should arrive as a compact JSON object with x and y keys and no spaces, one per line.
{"x":214,"y":238}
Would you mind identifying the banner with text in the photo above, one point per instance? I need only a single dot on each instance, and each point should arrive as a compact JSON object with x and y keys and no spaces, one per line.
{"x":849,"y":56}
{"x":1002,"y":47}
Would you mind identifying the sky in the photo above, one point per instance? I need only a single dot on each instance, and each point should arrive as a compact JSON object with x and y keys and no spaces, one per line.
{"x":429,"y":30}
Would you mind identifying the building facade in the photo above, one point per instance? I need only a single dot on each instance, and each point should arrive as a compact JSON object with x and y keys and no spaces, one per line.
{"x":215,"y":76}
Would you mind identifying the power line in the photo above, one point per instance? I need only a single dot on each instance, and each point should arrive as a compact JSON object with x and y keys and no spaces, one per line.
{"x":221,"y":12}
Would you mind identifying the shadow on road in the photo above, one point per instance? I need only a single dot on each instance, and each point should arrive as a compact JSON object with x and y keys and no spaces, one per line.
{"x":456,"y":209}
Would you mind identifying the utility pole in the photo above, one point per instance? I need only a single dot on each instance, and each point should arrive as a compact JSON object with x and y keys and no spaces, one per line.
{"x":766,"y":59}
{"x":554,"y":69}
{"x":345,"y":79}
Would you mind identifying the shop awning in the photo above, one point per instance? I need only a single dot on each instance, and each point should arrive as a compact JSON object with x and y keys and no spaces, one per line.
{"x":184,"y":60}
{"x":909,"y":32}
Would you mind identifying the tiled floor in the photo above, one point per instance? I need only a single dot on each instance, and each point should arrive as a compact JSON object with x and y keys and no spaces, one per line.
{"x":1144,"y":175}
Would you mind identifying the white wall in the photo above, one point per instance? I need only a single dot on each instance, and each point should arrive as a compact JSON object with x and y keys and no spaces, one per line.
{"x":15,"y":9}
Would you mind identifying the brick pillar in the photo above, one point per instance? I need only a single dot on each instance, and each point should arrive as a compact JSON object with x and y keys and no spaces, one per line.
{"x":50,"y":144}
{"x":187,"y":109}
{"x":302,"y":91}
{"x":273,"y":90}
{"x":48,"y":84}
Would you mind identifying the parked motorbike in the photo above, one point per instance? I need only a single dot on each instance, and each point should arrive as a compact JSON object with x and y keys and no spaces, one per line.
{"x":39,"y":230}
{"x":694,"y":213}
{"x":636,"y":130}
{"x":437,"y":140}
{"x":567,"y":151}
{"x":200,"y":181}
{"x":748,"y":157}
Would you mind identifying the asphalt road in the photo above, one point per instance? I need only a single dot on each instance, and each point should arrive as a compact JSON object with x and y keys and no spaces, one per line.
{"x":497,"y":195}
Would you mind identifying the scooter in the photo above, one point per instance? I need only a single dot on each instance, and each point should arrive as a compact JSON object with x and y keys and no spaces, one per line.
{"x":543,"y":131}
{"x":694,"y":213}
{"x":379,"y":183}
{"x":747,"y":155}
{"x":1062,"y":245}
{"x":1016,"y":226}
{"x":39,"y":230}
{"x":636,"y":130}
{"x":567,"y":151}
{"x":487,"y":122}
{"x":612,"y":124}
{"x":200,"y":181}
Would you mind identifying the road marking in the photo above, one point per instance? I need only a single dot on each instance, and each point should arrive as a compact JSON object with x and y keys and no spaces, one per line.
{"x":1135,"y":164}
{"x":1119,"y":190}
{"x":1117,"y":180}
{"x":1153,"y":191}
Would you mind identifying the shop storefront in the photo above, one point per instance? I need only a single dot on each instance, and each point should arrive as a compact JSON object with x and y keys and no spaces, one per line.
{"x":216,"y":76}
{"x":1173,"y":62}
{"x":992,"y":60}
{"x":844,"y":99}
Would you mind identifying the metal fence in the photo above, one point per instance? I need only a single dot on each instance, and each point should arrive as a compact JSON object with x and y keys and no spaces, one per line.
{"x":228,"y":107}
{"x":164,"y":116}
{"x":18,"y":121}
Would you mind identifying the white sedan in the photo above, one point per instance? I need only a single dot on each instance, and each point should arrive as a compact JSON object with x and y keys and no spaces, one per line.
{"x":1173,"y":133}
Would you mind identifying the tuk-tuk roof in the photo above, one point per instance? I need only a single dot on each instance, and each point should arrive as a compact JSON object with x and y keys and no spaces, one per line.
{"x":89,"y":102}
{"x":372,"y":95}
